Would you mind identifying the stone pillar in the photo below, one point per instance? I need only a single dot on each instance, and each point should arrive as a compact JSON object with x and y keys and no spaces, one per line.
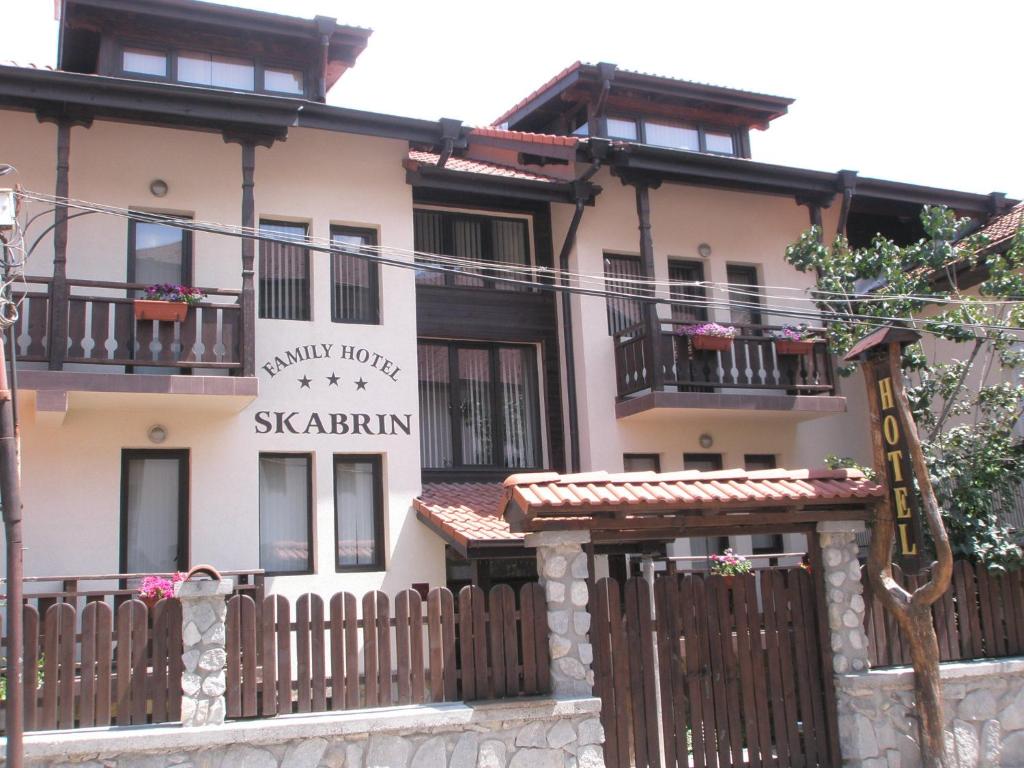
{"x":562,"y":567}
{"x":844,"y":595}
{"x":203,"y":637}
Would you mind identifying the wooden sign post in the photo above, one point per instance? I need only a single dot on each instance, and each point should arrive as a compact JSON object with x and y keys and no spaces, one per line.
{"x":898,"y":458}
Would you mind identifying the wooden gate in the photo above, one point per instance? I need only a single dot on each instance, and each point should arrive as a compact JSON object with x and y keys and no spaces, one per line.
{"x":719,"y":674}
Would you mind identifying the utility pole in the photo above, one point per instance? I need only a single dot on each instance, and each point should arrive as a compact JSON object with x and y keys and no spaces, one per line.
{"x":10,"y":500}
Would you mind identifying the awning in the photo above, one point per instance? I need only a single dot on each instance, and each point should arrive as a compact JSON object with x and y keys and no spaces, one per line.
{"x":641,"y":505}
{"x":468,"y":516}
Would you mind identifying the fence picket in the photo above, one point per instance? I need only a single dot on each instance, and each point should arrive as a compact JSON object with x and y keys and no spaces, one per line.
{"x":30,"y":623}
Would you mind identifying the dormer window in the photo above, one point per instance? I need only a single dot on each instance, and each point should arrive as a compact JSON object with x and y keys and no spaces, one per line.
{"x":211,"y":70}
{"x":142,"y":62}
{"x":216,"y":71}
{"x":677,"y":136}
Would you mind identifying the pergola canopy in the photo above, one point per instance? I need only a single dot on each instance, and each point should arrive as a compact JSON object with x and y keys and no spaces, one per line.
{"x":642,"y":505}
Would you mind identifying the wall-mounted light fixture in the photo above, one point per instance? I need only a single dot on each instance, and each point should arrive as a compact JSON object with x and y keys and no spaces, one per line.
{"x":157,"y":433}
{"x":704,"y":250}
{"x":705,"y":440}
{"x":158,"y":187}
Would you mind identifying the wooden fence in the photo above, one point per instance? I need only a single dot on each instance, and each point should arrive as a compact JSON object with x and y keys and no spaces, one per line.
{"x":980,"y":616}
{"x":98,"y":666}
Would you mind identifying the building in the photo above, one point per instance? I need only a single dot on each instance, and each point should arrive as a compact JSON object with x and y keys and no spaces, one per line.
{"x":342,"y":407}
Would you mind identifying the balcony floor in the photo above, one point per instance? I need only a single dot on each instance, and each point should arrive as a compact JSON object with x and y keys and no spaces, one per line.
{"x":58,"y":391}
{"x":802,"y":407}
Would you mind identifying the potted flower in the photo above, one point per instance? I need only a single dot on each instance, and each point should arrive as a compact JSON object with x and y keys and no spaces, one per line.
{"x":155,"y":588}
{"x":711,"y":337}
{"x":794,"y":339}
{"x":167,"y":302}
{"x":729,"y":565}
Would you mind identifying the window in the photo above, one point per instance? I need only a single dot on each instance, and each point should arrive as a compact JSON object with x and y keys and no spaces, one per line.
{"x":358,"y":513}
{"x":620,"y":276}
{"x":720,"y":143}
{"x":286,"y":513}
{"x":679,"y":273}
{"x":154,"y":511}
{"x":283,"y":81}
{"x":622,"y":129}
{"x":479,"y":406}
{"x":139,"y":61}
{"x":495,"y":239}
{"x":283,"y":273}
{"x":641,"y":462}
{"x":158,"y":253}
{"x":763,"y":543}
{"x":678,"y":136}
{"x":355,"y":280}
{"x":704,"y":462}
{"x":744,"y":295}
{"x":217,"y":71}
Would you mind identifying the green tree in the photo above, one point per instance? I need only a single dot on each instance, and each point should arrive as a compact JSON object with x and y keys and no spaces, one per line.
{"x":966,"y":405}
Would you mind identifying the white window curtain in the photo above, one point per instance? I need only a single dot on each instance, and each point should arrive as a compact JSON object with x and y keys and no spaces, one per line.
{"x":153,"y":514}
{"x":435,"y":406}
{"x":476,"y":406}
{"x":355,"y":509}
{"x":517,"y":371}
{"x":284,"y":514}
{"x":353,"y":279}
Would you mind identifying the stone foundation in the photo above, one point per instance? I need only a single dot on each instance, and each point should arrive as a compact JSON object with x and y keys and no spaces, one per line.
{"x":528,"y":733}
{"x":845,"y":597}
{"x":983,"y":705}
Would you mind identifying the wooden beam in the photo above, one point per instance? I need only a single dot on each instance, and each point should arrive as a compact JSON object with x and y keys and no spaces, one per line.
{"x":650,"y":309}
{"x":58,"y":341}
{"x":248,"y":260}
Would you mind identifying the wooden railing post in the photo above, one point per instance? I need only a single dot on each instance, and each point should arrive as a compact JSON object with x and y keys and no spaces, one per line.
{"x":248,"y":356}
{"x":643,"y":214}
{"x":58,"y":341}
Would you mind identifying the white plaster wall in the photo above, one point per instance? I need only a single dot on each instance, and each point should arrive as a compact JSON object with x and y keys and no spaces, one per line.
{"x":315,"y":177}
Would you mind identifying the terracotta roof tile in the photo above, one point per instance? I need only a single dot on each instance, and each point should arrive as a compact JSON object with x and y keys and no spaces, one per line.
{"x":465,"y":512}
{"x":526,"y":136}
{"x":479,"y":167}
{"x":1004,"y":227}
{"x":690,"y":489}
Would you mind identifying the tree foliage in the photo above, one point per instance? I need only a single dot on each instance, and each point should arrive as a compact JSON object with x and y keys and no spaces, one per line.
{"x":966,"y":403}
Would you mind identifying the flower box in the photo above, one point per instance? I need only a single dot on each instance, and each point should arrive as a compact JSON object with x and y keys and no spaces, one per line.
{"x":711,"y":343}
{"x":164,"y":311}
{"x":794,"y":346}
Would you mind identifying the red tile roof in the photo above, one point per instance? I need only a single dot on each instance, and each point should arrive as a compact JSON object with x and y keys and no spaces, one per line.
{"x":479,"y":167}
{"x":466,"y":513}
{"x":1003,"y":228}
{"x":469,"y":514}
{"x":687,"y":490}
{"x":522,"y":102}
{"x":526,"y":136}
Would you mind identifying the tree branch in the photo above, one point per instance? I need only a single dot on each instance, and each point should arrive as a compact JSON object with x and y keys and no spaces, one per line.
{"x":947,"y":404}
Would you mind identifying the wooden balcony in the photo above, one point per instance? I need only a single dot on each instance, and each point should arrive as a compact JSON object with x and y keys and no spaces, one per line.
{"x":749,"y":375}
{"x":105,"y":348}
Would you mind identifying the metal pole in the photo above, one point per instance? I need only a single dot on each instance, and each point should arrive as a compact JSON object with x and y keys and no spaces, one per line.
{"x":10,"y":499}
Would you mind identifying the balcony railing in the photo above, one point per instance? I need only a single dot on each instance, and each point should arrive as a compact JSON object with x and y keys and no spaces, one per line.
{"x":750,"y":362}
{"x":102,"y":329}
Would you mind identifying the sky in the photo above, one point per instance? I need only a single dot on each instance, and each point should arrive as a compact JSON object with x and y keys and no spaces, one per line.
{"x":923,"y":92}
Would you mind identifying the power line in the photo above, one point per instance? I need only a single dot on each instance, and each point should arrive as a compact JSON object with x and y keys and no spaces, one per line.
{"x":482,"y":270}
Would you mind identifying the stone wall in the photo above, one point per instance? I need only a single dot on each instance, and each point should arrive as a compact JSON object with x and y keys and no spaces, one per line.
{"x":527,"y":733}
{"x":984,"y":709}
{"x":845,"y":595}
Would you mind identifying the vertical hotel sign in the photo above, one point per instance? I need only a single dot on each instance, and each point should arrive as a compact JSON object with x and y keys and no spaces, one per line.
{"x":898,"y":469}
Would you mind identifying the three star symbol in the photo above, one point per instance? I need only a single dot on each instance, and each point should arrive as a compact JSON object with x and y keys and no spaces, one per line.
{"x":332,"y":379}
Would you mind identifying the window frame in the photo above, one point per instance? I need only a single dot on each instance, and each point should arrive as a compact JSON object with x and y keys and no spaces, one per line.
{"x":171,"y":54}
{"x":310,"y":520}
{"x":642,"y":292}
{"x":498,"y":422}
{"x":309,"y":271}
{"x":678,"y":290}
{"x":756,"y":315}
{"x":183,"y":455}
{"x":718,"y":459}
{"x":379,"y":523}
{"x":187,"y":254}
{"x":374,"y":287}
{"x":656,"y":457}
{"x":450,"y":215}
{"x":702,"y":130}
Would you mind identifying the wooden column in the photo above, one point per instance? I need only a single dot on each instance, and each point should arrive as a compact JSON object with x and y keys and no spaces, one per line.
{"x":58,"y":341}
{"x":653,"y":325}
{"x":248,"y":260}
